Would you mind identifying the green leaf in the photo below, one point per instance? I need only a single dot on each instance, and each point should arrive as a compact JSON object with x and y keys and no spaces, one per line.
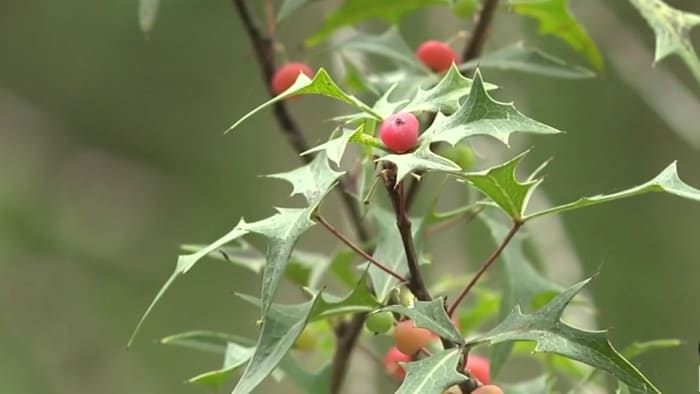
{"x":552,"y":335}
{"x":522,"y":283}
{"x":389,"y":45}
{"x":433,"y":374}
{"x":335,"y":148}
{"x":281,"y":326}
{"x":555,"y":18}
{"x":241,"y":254}
{"x":444,"y":96}
{"x":636,"y":349}
{"x":184,"y":264}
{"x":421,"y":159}
{"x":389,"y":250}
{"x":667,"y":181}
{"x":518,"y":57}
{"x":360,"y":299}
{"x":672,"y":28}
{"x":482,"y":115}
{"x":539,"y":385}
{"x":354,"y":11}
{"x":313,"y":181}
{"x":148,"y":12}
{"x":432,"y":316}
{"x":236,"y":356}
{"x":483,"y":305}
{"x":290,"y":6}
{"x":501,"y":185}
{"x":206,"y":341}
{"x":321,"y":84}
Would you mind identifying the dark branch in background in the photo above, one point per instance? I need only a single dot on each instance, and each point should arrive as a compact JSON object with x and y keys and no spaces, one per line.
{"x":347,"y":333}
{"x":398,"y":200}
{"x":471,"y":51}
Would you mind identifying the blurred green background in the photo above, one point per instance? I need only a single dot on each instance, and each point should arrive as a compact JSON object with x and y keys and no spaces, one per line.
{"x":112,"y":154}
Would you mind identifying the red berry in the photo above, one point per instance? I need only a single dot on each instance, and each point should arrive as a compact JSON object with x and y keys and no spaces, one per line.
{"x":391,"y":360}
{"x":488,"y":389}
{"x":409,"y":338}
{"x":479,"y":368}
{"x":399,"y":132}
{"x":436,"y":55}
{"x":286,"y":75}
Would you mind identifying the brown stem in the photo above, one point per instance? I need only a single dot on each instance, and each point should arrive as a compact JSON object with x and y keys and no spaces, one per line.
{"x":346,"y":338}
{"x":480,"y":32}
{"x":320,"y":219}
{"x":485,"y":266}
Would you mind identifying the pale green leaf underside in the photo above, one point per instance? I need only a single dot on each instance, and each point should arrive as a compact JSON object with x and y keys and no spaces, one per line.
{"x":433,"y":374}
{"x":312,"y":180}
{"x":482,"y":115}
{"x":422,"y":159}
{"x":672,"y":29}
{"x":432,"y":316}
{"x":555,"y":18}
{"x":389,"y":44}
{"x":321,"y":84}
{"x":335,"y":148}
{"x":500,"y":184}
{"x":443,"y":97}
{"x":518,"y":57}
{"x":235,"y":357}
{"x":552,"y":335}
{"x":667,"y":181}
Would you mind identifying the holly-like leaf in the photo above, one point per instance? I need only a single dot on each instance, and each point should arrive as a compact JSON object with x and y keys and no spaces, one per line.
{"x":354,"y":11}
{"x":667,"y":181}
{"x":672,"y":29}
{"x":236,"y":356}
{"x":282,"y":325}
{"x":555,"y":18}
{"x":501,"y":185}
{"x":335,"y":148}
{"x":184,"y":264}
{"x":389,"y":250}
{"x":206,"y":341}
{"x":360,"y":299}
{"x":389,"y":45}
{"x":518,"y":57}
{"x":444,"y":96}
{"x":552,"y":335}
{"x":433,"y":374}
{"x":421,"y":159}
{"x":539,"y":385}
{"x":313,"y":180}
{"x":432,"y":316}
{"x":482,"y":115}
{"x":321,"y":84}
{"x":522,"y":283}
{"x":148,"y":12}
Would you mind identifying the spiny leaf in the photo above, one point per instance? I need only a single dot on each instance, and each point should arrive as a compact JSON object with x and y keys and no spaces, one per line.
{"x":184,"y":264}
{"x":444,"y":96}
{"x":522,"y":283}
{"x":501,"y":185}
{"x":555,"y":18}
{"x":335,"y":148}
{"x":482,"y":115}
{"x":281,"y":326}
{"x":148,"y":12}
{"x":312,"y":180}
{"x":389,"y":45}
{"x":236,"y":356}
{"x":672,"y":28}
{"x":207,"y":341}
{"x":552,"y":335}
{"x":433,"y":374}
{"x":667,"y":181}
{"x":518,"y":57}
{"x":422,"y":159}
{"x":321,"y":84}
{"x":389,"y":250}
{"x":354,"y":11}
{"x":432,"y":316}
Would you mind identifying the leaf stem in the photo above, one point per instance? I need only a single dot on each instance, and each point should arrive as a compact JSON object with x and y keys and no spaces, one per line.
{"x":485,"y":266}
{"x":321,"y":220}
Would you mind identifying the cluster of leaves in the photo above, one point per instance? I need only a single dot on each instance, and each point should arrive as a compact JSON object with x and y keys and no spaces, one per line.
{"x":454,"y":108}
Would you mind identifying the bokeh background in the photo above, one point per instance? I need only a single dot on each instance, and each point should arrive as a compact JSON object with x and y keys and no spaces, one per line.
{"x":112,"y":154}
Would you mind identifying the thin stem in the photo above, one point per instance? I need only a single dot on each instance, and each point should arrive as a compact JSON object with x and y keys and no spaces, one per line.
{"x":467,"y":215}
{"x":398,"y":200}
{"x":485,"y":266}
{"x":320,"y":219}
{"x":480,"y":32}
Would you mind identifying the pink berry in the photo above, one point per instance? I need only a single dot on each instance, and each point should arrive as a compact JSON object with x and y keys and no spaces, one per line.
{"x":286,"y":75}
{"x":391,"y":360}
{"x":479,"y":368}
{"x":436,"y":55}
{"x":488,"y":389}
{"x":399,"y":132}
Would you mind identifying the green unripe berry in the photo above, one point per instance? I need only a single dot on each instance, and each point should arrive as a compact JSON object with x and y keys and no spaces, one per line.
{"x":379,"y":322}
{"x":306,"y":341}
{"x":462,"y":155}
{"x":464,"y":8}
